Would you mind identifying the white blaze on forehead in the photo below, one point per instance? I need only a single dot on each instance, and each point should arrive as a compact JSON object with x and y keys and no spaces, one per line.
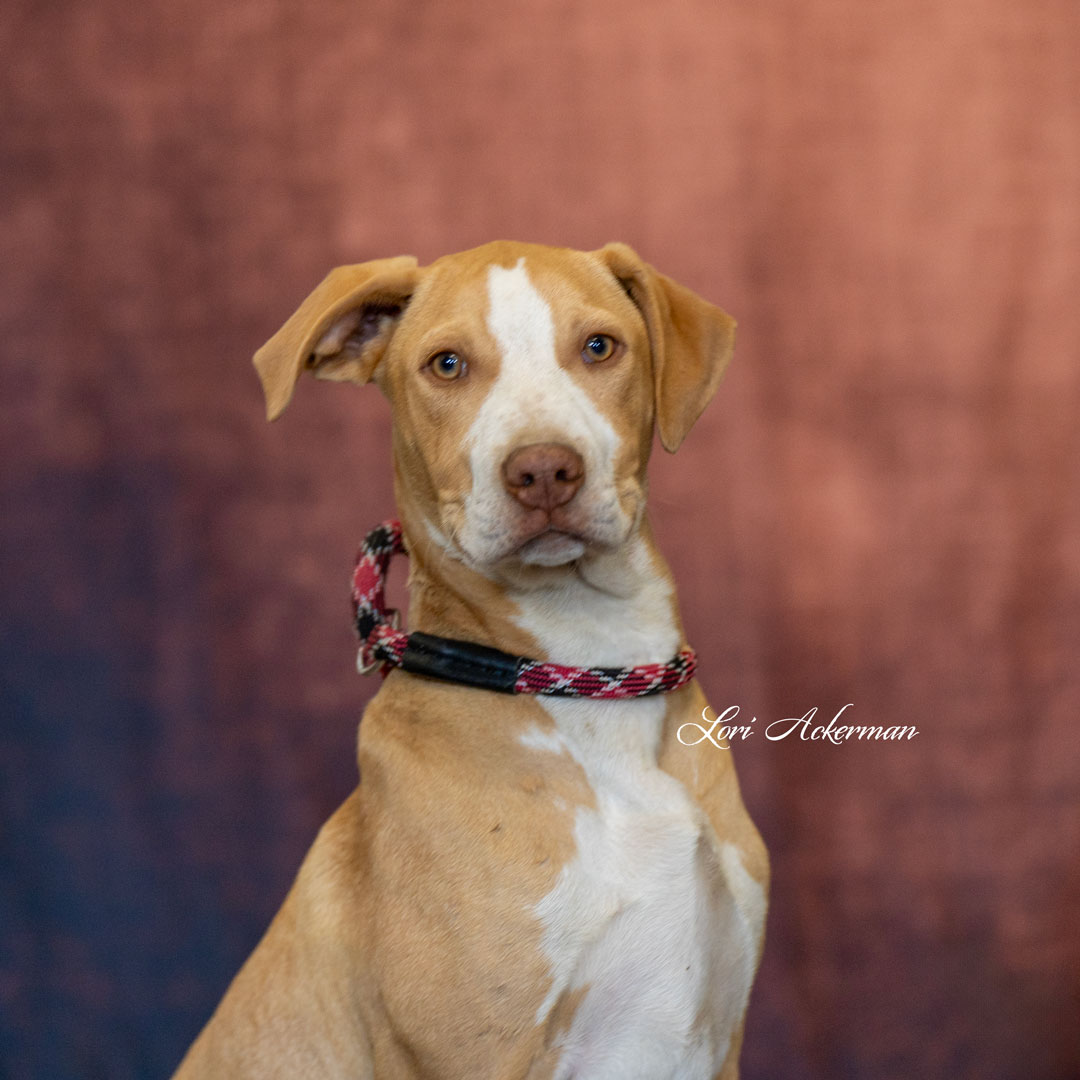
{"x":533,"y":392}
{"x":533,"y":399}
{"x":520,"y":320}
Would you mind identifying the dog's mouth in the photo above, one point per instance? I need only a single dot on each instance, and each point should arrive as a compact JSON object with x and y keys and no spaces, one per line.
{"x":505,"y":538}
{"x":552,"y":547}
{"x":550,"y":538}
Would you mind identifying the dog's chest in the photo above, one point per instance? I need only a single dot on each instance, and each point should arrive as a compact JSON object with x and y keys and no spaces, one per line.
{"x":640,"y":929}
{"x":635,"y":917}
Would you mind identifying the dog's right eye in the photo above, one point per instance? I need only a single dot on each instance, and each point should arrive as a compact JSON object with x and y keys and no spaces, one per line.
{"x":598,"y":348}
{"x":447,"y":366}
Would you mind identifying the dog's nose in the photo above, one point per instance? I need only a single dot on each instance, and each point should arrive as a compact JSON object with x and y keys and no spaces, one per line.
{"x":544,"y":475}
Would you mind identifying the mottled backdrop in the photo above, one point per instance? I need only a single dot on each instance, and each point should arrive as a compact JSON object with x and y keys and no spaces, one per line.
{"x":881,"y":507}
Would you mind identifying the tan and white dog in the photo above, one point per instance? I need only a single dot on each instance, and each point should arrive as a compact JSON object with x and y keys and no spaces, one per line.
{"x":520,"y":886}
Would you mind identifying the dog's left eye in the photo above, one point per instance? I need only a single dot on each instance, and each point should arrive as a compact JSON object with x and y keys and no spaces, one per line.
{"x":599,"y":347}
{"x":447,"y":365}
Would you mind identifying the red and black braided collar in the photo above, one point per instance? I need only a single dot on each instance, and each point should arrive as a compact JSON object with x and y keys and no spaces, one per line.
{"x":383,"y":644}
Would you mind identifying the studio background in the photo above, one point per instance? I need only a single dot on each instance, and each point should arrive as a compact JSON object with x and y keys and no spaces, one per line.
{"x":880,"y":507}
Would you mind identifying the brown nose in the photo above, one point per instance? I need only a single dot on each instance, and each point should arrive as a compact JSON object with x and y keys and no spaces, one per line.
{"x":544,"y":475}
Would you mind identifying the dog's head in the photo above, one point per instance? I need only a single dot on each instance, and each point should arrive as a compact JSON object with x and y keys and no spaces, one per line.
{"x":524,"y":381}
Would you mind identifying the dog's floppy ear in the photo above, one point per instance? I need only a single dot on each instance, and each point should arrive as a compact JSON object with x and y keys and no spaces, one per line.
{"x":691,"y":342}
{"x":340,"y":331}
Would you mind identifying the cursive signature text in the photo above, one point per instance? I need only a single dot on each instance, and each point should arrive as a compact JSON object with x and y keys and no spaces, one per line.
{"x":720,"y":729}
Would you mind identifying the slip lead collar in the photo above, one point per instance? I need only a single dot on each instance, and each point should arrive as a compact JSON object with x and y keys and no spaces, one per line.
{"x":383,"y":644}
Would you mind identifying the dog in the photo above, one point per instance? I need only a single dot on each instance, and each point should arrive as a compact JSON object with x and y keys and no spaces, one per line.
{"x":520,"y":886}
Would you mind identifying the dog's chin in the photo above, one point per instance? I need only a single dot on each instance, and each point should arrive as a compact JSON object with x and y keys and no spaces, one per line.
{"x":550,"y":548}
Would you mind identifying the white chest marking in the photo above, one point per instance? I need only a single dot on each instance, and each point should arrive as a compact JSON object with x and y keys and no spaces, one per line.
{"x":636,"y":916}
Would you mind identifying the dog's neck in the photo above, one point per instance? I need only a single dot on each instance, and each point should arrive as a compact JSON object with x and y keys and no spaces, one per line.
{"x":612,"y":609}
